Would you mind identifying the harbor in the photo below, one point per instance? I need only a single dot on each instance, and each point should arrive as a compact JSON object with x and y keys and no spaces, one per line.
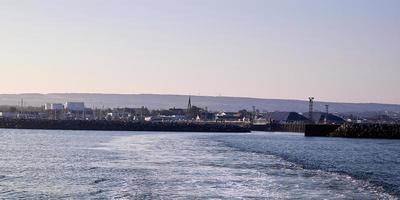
{"x":76,"y":116}
{"x":200,"y":99}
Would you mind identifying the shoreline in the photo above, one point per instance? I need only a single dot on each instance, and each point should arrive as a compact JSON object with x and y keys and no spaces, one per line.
{"x":103,"y":125}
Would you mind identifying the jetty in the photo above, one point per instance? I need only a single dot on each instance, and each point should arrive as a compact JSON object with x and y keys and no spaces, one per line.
{"x":104,"y":125}
{"x":348,"y":130}
{"x":353,"y":130}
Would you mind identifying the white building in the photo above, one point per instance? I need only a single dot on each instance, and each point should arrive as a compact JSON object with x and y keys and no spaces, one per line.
{"x":54,"y":106}
{"x":75,"y":106}
{"x":8,"y":115}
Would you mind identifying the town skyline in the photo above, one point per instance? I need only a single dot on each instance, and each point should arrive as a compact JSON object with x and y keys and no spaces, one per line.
{"x":216,"y":103}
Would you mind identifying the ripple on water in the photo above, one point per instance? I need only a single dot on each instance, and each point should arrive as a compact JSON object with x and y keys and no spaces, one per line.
{"x":202,"y":168}
{"x":126,"y":165}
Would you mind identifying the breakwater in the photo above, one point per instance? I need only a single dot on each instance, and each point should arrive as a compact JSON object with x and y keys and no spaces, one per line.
{"x":349,"y":130}
{"x":103,"y":125}
{"x":319,"y":130}
{"x":298,"y":128}
{"x":385,"y":131}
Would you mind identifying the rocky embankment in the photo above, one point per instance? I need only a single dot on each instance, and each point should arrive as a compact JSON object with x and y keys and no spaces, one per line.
{"x":103,"y":125}
{"x":386,"y":131}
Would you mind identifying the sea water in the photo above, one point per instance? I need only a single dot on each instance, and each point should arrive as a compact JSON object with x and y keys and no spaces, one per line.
{"x":39,"y":164}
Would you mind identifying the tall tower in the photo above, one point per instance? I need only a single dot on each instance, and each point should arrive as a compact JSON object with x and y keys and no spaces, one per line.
{"x":326,"y":113}
{"x":254,"y":113}
{"x":189,"y":104}
{"x":311,"y":109}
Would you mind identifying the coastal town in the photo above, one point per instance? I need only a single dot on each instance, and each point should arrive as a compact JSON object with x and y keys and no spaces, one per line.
{"x":200,"y":99}
{"x":190,"y":113}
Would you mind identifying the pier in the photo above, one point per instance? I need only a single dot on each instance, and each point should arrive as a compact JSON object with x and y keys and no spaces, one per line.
{"x":104,"y":125}
{"x":348,"y":130}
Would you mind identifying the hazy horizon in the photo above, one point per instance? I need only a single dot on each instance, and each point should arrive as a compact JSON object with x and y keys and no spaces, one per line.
{"x":200,"y":95}
{"x":338,"y":51}
{"x":188,"y":95}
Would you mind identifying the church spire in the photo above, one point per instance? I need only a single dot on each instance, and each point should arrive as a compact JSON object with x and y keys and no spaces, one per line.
{"x":189,"y":104}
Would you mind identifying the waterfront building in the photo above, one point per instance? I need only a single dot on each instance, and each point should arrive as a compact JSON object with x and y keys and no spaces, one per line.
{"x":54,"y":111}
{"x":47,"y":106}
{"x":75,"y":106}
{"x":173,"y":111}
{"x":28,"y":115}
{"x":119,"y":115}
{"x":230,"y":117}
{"x":8,"y":115}
{"x":54,"y":106}
{"x":260,"y":121}
{"x":75,"y":111}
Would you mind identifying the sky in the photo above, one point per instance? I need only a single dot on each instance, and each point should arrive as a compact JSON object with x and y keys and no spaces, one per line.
{"x":334,"y":50}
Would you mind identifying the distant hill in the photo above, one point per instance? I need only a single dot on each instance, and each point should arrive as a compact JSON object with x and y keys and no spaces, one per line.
{"x":154,"y":101}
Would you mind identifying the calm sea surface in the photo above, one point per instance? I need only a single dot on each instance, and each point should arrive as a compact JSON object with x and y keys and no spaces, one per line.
{"x":37,"y":164}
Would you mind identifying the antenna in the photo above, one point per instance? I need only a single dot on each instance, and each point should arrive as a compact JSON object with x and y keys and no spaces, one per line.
{"x":326,"y":113}
{"x":254,"y":113}
{"x":311,"y":109}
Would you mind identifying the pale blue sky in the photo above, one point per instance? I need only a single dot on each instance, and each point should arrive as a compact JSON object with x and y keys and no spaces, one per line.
{"x":337,"y":50}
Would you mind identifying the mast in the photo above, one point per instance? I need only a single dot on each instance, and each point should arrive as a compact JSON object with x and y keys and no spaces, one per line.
{"x":311,"y":109}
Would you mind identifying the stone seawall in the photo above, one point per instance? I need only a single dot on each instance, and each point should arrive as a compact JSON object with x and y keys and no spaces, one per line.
{"x":121,"y":126}
{"x":386,"y":131}
{"x":298,"y":128}
{"x":319,"y":130}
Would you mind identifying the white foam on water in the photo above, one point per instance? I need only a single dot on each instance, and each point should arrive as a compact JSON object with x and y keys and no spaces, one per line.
{"x":179,"y":166}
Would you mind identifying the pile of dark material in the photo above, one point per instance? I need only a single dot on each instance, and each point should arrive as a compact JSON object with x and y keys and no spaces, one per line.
{"x":387,"y":131}
{"x":104,"y":125}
